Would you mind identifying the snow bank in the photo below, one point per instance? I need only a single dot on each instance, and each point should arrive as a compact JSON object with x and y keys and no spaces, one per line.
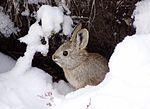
{"x":127,"y":85}
{"x":26,"y":87}
{"x":6,"y":64}
{"x":21,"y":91}
{"x":131,"y":58}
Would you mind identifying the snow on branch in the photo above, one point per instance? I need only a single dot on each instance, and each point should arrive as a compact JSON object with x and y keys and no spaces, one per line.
{"x":50,"y":20}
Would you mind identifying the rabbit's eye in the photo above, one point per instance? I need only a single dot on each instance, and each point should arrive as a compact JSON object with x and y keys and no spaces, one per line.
{"x":65,"y":53}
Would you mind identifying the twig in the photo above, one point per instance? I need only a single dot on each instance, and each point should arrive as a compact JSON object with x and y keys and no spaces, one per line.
{"x":78,"y":12}
{"x":92,"y":16}
{"x":87,"y":106}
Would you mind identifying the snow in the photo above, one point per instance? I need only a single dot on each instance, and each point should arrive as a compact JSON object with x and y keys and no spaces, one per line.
{"x":26,"y":87}
{"x":33,"y":39}
{"x":6,"y":25}
{"x":25,"y":13}
{"x":142,"y":17}
{"x":67,"y":25}
{"x":136,"y":45}
{"x":53,"y":20}
{"x":6,"y":63}
{"x":126,"y":86}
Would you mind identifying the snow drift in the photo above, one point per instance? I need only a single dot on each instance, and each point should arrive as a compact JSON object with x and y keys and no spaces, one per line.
{"x":6,"y":63}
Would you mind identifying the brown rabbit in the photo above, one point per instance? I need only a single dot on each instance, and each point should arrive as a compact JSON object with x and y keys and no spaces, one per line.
{"x":80,"y":67}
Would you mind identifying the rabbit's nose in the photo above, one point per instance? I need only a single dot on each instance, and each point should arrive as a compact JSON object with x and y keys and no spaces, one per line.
{"x":54,"y":57}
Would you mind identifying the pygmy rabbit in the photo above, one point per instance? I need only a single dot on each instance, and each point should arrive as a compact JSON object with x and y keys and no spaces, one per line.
{"x":80,"y":67}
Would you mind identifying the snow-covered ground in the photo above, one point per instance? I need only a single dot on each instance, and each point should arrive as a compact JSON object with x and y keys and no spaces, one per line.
{"x":6,"y":63}
{"x":126,"y":86}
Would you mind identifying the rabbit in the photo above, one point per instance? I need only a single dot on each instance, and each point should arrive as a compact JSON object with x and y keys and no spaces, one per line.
{"x":80,"y":67}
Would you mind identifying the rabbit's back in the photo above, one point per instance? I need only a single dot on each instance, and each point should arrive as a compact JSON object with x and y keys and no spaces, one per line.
{"x":90,"y":72}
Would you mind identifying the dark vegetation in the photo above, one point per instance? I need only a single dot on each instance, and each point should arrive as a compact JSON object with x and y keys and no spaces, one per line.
{"x":108,"y":21}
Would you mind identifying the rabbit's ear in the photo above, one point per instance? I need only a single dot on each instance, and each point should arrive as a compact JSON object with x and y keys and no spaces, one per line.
{"x":75,"y":31}
{"x":82,"y":38}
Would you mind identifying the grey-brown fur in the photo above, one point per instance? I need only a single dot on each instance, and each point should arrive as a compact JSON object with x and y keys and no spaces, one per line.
{"x":80,"y":67}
